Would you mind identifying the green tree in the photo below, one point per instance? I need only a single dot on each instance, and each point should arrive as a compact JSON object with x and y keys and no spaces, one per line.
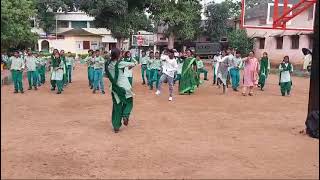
{"x":253,"y":3}
{"x":122,"y":17}
{"x":182,"y":19}
{"x":46,"y":9}
{"x":238,"y":39}
{"x":15,"y":23}
{"x":219,"y":15}
{"x":216,"y":24}
{"x":234,"y":8}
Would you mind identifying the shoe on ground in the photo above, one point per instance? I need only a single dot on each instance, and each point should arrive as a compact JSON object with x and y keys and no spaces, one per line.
{"x":103,"y":92}
{"x":170,"y":98}
{"x":59,"y":92}
{"x":35,"y":88}
{"x":158,"y":93}
{"x":53,"y":89}
{"x":91,"y":87}
{"x":116,"y":130}
{"x":206,"y":79}
{"x":15,"y":91}
{"x":94,"y":91}
{"x":29,"y":88}
{"x":126,"y":121}
{"x":22,"y":92}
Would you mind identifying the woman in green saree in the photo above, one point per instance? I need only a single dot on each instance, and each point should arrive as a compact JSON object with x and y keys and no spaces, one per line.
{"x":189,"y":77}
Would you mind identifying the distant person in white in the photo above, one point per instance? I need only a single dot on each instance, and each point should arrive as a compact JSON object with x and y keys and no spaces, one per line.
{"x":169,"y":66}
{"x":307,"y":59}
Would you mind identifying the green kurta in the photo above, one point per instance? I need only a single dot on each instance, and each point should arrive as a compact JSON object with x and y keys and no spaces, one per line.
{"x":264,"y":71}
{"x":121,"y":92}
{"x":189,"y":77}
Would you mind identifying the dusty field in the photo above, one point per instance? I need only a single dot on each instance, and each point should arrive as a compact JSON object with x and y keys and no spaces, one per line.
{"x":205,"y":135}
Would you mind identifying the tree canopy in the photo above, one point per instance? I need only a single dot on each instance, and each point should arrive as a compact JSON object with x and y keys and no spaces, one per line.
{"x":122,"y":17}
{"x":219,"y":16}
{"x":238,"y":39}
{"x":15,"y":23}
{"x":182,"y":19}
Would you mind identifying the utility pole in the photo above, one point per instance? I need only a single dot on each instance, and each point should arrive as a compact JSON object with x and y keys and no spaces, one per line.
{"x":314,"y":77}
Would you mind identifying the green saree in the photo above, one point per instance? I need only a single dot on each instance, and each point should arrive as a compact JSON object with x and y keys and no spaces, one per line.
{"x":189,"y":78}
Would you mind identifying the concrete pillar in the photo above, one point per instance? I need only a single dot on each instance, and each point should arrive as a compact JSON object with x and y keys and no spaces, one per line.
{"x":154,"y":48}
{"x":39,"y":45}
{"x":70,"y":25}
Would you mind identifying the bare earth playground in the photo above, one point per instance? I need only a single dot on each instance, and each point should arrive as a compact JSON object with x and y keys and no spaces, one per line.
{"x":205,"y":135}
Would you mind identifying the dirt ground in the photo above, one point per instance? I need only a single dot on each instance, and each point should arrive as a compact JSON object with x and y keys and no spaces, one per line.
{"x":205,"y":135}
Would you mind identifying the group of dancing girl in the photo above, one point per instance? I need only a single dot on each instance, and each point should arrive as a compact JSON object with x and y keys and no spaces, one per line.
{"x":171,"y":67}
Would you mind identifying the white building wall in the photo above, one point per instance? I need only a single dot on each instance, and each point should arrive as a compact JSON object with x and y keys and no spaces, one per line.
{"x":69,"y":43}
{"x":276,"y":55}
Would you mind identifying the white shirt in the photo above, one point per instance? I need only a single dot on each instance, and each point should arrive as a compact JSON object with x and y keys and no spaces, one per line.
{"x":16,"y":63}
{"x":307,"y":61}
{"x":31,"y":63}
{"x":216,"y":61}
{"x":285,"y":75}
{"x":70,"y":61}
{"x":169,"y":66}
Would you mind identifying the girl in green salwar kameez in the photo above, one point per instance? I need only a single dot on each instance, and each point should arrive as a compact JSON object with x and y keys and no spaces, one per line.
{"x":264,"y":70}
{"x":189,"y":77}
{"x":121,"y":90}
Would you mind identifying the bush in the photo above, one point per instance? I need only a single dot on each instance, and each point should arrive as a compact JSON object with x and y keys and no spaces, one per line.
{"x":83,"y":56}
{"x":45,"y":54}
{"x":72,"y":55}
{"x":238,"y":39}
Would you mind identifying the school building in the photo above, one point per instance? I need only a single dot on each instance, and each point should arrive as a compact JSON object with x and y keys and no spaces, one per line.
{"x":278,"y":43}
{"x":76,"y":33}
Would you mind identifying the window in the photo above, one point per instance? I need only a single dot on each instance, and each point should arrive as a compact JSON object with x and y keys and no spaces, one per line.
{"x":208,"y":39}
{"x":163,"y":38}
{"x":295,"y":42}
{"x":63,"y":24}
{"x":262,"y":43}
{"x":279,"y":42}
{"x":32,"y":24}
{"x":94,"y":45}
{"x":79,"y":24}
{"x":310,"y":13}
{"x":86,"y":44}
{"x":310,"y":41}
{"x":112,"y":45}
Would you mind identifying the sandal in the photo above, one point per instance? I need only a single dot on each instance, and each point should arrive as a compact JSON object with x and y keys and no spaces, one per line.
{"x":126,"y":121}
